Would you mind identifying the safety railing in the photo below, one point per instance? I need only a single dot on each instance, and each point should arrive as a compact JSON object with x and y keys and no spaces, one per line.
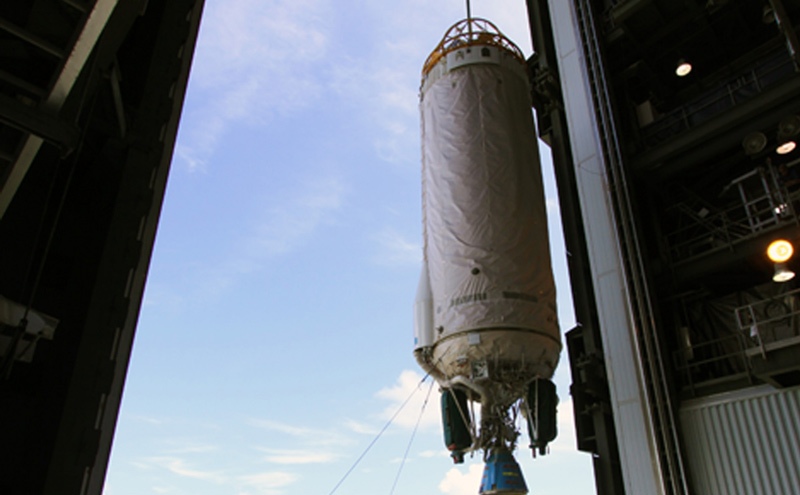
{"x":468,"y":32}
{"x":761,"y":204}
{"x":762,"y":325}
{"x":771,"y":322}
{"x":711,"y":364}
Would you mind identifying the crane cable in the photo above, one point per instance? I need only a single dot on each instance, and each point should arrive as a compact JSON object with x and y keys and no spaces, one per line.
{"x":413,"y":434}
{"x":374,"y":440}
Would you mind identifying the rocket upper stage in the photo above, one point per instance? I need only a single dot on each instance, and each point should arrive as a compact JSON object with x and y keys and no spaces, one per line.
{"x":492,"y":295}
{"x":485,"y":315}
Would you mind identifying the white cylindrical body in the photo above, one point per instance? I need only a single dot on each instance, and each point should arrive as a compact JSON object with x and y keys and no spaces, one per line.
{"x":485,"y":221}
{"x":423,"y":311}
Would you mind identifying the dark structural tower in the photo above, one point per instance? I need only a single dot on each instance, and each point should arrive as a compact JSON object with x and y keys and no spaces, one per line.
{"x":673,"y":125}
{"x":90,"y":96}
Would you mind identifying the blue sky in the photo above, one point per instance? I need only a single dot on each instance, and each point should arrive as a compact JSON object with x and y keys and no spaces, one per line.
{"x":275,"y":337}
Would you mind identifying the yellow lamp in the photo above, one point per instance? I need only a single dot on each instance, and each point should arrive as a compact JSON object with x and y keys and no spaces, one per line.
{"x":780,"y":251}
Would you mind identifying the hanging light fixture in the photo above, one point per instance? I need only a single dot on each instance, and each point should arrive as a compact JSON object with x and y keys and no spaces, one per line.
{"x":779,"y":252}
{"x":754,"y":143}
{"x":782,"y":273}
{"x":683,"y":68}
{"x":788,"y":128}
{"x":786,"y":148}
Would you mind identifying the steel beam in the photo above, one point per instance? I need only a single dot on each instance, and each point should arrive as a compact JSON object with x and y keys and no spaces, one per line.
{"x":28,"y":119}
{"x":58,"y":95}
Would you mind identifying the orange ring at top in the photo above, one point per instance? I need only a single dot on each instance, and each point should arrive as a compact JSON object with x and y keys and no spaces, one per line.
{"x":468,"y":32}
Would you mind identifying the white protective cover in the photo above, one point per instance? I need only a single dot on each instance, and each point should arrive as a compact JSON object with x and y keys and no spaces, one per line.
{"x":484,"y":216}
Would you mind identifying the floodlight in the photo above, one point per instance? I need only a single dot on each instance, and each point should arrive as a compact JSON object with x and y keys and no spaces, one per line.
{"x":780,"y":251}
{"x":786,"y":147}
{"x":684,"y":68}
{"x":788,"y":128}
{"x":782,"y":274}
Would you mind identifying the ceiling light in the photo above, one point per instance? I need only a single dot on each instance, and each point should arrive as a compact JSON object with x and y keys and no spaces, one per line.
{"x":754,"y":142}
{"x":786,"y":147}
{"x":780,"y":251}
{"x":684,"y":68}
{"x":782,"y":274}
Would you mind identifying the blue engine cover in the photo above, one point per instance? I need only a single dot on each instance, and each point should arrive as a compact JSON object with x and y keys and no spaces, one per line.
{"x":502,"y":475}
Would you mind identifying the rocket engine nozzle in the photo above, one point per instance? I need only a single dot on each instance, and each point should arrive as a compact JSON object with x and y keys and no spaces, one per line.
{"x":502,"y":475}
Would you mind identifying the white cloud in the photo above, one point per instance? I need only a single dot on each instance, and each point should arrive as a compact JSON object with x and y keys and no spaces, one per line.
{"x":408,"y":385}
{"x":253,"y":59}
{"x":192,"y":448}
{"x":180,"y":467}
{"x":434,"y":453}
{"x":387,"y":80}
{"x":282,"y":427}
{"x":268,"y":483}
{"x":283,"y":225}
{"x":283,"y":456}
{"x":383,"y":89}
{"x":362,"y":428}
{"x":256,"y":59}
{"x":157,"y":295}
{"x":566,"y":440}
{"x":286,"y":225}
{"x":247,"y":35}
{"x":261,"y":483}
{"x":147,"y":419}
{"x":396,"y":250}
{"x":382,"y":82}
{"x":458,"y":482}
{"x":312,"y":436}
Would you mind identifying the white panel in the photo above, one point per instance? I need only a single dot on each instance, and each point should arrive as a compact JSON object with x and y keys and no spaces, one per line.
{"x":744,"y":443}
{"x":578,"y":102}
{"x":634,"y":431}
{"x":617,"y":345}
{"x":564,"y":38}
{"x":576,"y":105}
{"x":639,"y":460}
{"x":598,"y":217}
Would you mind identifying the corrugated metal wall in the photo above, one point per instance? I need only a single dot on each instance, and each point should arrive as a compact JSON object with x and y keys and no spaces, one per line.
{"x":746,"y":442}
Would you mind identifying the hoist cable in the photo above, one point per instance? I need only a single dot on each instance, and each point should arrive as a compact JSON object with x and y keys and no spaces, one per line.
{"x":374,"y":440}
{"x":413,"y":434}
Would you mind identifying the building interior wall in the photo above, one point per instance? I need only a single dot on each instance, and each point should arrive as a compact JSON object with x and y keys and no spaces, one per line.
{"x":705,"y":191}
